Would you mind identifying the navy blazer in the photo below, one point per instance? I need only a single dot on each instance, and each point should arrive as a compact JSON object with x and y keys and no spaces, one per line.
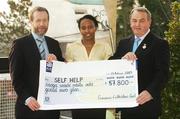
{"x":24,"y":65}
{"x":153,"y":69}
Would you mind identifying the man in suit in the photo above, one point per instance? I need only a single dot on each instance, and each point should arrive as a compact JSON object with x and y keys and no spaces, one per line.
{"x":152,"y":57}
{"x":24,"y":65}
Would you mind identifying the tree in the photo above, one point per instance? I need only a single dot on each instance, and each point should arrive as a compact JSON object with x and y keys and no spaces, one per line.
{"x":123,"y":28}
{"x":171,"y":95}
{"x":160,"y":10}
{"x":14,"y":24}
{"x":161,"y":14}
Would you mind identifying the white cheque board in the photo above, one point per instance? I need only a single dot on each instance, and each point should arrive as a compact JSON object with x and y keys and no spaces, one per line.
{"x":92,"y":84}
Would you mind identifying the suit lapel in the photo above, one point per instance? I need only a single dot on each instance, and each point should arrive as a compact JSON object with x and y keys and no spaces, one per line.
{"x":145,"y":46}
{"x":33,"y":47}
{"x":48,"y":42}
{"x":129,"y":44}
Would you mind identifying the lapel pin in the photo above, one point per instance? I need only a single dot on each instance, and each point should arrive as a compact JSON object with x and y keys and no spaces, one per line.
{"x":144,"y":46}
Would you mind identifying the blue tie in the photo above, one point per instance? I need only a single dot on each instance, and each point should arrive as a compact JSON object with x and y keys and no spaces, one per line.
{"x":41,"y":49}
{"x":136,"y":44}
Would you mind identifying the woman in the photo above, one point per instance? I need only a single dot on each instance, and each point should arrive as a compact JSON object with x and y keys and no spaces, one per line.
{"x":88,"y":49}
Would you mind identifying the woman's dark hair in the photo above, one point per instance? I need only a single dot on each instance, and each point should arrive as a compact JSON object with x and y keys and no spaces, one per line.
{"x":90,"y":17}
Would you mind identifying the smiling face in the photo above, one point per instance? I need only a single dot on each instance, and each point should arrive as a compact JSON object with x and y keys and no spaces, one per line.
{"x":39,"y":22}
{"x":87,"y":29}
{"x":139,"y":23}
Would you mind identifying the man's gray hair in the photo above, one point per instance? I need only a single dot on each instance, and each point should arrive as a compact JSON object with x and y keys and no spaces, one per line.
{"x":142,"y":9}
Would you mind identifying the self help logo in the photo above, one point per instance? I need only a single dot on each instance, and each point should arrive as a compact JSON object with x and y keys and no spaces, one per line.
{"x":49,"y":66}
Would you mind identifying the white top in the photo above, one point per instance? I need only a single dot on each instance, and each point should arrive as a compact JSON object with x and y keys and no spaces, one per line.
{"x":76,"y":51}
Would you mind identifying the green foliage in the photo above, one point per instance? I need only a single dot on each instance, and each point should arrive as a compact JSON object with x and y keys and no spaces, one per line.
{"x":160,"y":10}
{"x":13,"y":24}
{"x":161,"y":14}
{"x":123,"y":26}
{"x":171,"y":95}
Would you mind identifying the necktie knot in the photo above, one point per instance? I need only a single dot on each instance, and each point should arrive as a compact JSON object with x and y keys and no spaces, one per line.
{"x":137,"y":39}
{"x":40,"y":40}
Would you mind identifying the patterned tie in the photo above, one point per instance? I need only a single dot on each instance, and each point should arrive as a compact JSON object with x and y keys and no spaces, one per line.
{"x":136,"y":44}
{"x":41,"y":49}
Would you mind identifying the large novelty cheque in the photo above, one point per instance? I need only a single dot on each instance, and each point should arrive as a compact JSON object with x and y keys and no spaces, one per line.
{"x":92,"y":84}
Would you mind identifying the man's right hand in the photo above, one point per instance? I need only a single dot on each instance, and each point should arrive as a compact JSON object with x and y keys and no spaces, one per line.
{"x":130,"y":56}
{"x":33,"y":104}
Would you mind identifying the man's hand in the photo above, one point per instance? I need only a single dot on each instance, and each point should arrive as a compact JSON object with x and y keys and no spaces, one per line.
{"x":144,"y":97}
{"x":51,"y":57}
{"x":33,"y":104}
{"x":130,"y":56}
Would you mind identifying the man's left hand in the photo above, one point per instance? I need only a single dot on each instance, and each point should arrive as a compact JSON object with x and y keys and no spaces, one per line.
{"x":144,"y":97}
{"x":51,"y":57}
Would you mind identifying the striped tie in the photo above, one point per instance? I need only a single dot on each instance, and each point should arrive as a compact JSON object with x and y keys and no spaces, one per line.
{"x":41,"y":49}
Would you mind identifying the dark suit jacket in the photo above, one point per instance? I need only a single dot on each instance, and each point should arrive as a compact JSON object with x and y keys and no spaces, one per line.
{"x":24,"y":64}
{"x":153,"y":68}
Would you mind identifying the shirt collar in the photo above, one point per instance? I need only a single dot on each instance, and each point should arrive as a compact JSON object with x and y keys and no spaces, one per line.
{"x":142,"y":37}
{"x":36,"y":36}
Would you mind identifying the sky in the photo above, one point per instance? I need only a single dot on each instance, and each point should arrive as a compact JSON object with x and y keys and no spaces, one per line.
{"x":4,"y":6}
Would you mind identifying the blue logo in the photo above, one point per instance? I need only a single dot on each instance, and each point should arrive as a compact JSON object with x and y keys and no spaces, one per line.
{"x":49,"y":66}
